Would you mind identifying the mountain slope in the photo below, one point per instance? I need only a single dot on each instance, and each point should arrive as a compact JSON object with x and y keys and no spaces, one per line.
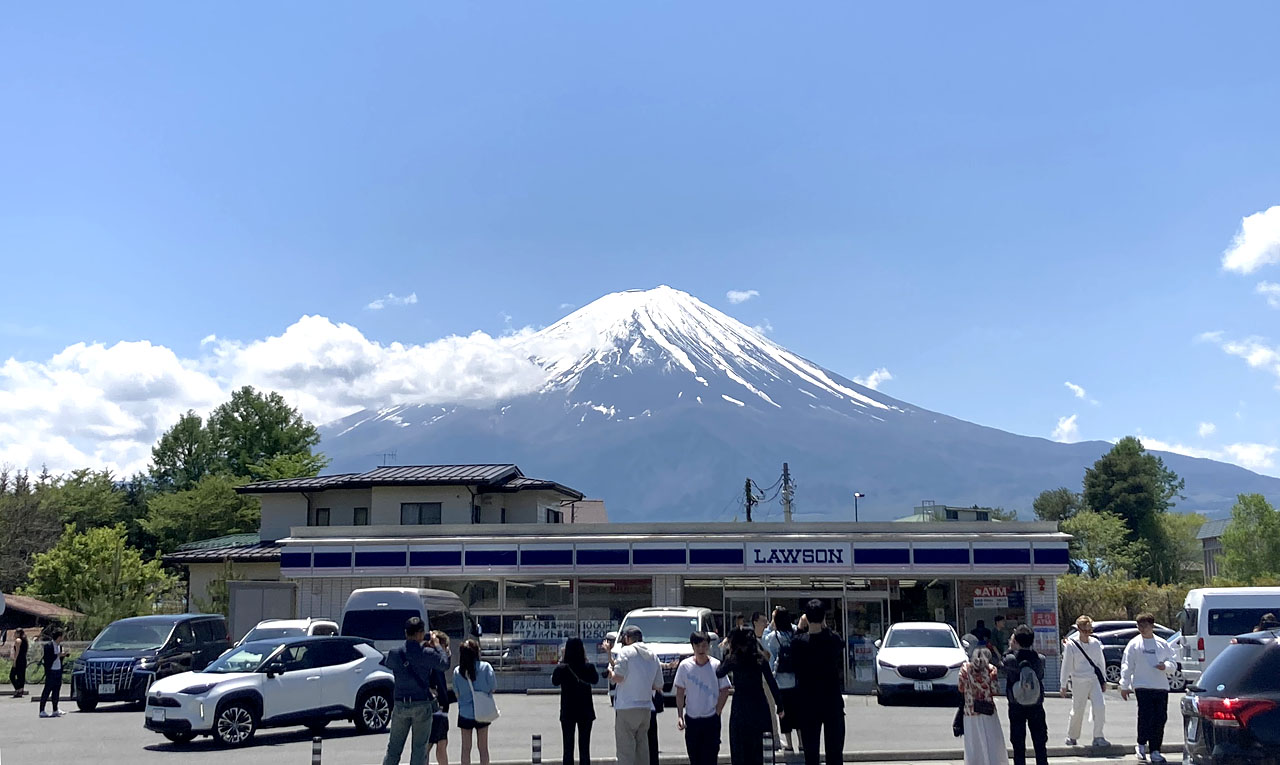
{"x":662,"y":405}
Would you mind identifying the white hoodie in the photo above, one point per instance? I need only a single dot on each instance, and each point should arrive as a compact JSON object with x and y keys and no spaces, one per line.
{"x":641,"y":675}
{"x":1138,"y":667}
{"x":1074,"y":664}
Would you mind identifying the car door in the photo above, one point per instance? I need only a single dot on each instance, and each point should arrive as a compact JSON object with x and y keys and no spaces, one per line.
{"x":209,"y":643}
{"x":342,"y":672}
{"x":295,"y":690}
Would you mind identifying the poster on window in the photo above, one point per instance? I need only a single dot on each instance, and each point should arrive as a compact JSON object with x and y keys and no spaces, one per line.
{"x":1044,"y":622}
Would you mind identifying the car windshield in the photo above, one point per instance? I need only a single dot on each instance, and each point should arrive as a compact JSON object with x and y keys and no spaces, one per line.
{"x":664,"y":629}
{"x":132,"y":636}
{"x":379,"y":624}
{"x":1237,"y":621}
{"x":247,"y":658}
{"x":271,"y":633}
{"x":926,"y":638}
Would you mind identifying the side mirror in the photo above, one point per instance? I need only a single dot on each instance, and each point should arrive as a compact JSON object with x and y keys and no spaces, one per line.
{"x":967,"y":645}
{"x":877,"y":642}
{"x":275,"y":668}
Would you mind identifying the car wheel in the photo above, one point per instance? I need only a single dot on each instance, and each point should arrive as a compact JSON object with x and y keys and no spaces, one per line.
{"x":1177,"y":682}
{"x":86,"y":701}
{"x":373,"y":711}
{"x":180,"y":738}
{"x":234,"y":724}
{"x":1113,"y":673}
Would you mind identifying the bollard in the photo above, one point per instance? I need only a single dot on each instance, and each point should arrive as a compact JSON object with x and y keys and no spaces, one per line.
{"x":769,"y":757}
{"x":537,"y":749}
{"x":315,"y":751}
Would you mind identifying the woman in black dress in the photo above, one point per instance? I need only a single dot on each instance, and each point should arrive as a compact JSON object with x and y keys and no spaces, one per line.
{"x":747,"y":667}
{"x":18,"y":675}
{"x":576,"y":679}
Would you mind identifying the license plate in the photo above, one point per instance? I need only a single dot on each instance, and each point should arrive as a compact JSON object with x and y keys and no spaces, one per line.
{"x":924,"y":685}
{"x":157,"y":715}
{"x":1193,"y":727}
{"x":107,"y":689}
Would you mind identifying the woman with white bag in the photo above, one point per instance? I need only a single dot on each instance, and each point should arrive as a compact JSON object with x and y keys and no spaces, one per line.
{"x":474,"y":682}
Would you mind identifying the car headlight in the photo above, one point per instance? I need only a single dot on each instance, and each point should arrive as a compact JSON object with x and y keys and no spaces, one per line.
{"x":957,"y":665}
{"x":886,"y":665}
{"x":147,"y":662}
{"x":198,"y":690}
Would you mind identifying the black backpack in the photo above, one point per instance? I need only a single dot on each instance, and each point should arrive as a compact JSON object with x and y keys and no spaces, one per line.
{"x":785,"y":664}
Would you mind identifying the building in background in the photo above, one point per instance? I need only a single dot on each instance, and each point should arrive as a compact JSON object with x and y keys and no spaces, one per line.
{"x":930,"y":512}
{"x":1210,"y":536}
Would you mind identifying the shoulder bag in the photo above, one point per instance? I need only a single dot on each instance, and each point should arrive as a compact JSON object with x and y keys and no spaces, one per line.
{"x":483,"y":705}
{"x":1102,"y":681}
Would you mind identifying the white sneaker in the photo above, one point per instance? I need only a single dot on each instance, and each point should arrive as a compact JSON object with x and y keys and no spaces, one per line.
{"x":60,"y":713}
{"x":43,"y":713}
{"x":1157,"y":757}
{"x":1070,"y":742}
{"x":1141,"y":751}
{"x":1100,"y":742}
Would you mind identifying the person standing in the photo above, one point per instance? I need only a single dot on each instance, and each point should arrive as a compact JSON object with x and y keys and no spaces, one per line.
{"x":472,"y":676}
{"x":777,"y":642}
{"x":440,"y":719}
{"x":1026,"y":697}
{"x":54,"y":654}
{"x":576,"y":678}
{"x":700,"y":698}
{"x":752,"y":680}
{"x":1144,"y":671}
{"x":983,"y":740}
{"x":818,"y":656}
{"x":760,"y":626}
{"x":1082,"y":663}
{"x":18,"y":673}
{"x":637,"y":675}
{"x":413,"y":664}
{"x":1000,"y":640}
{"x":981,"y":632}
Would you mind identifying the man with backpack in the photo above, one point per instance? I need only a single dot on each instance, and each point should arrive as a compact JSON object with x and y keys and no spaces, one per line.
{"x":1024,"y":687}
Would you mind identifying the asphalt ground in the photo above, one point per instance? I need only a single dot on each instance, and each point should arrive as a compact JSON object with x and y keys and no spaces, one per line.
{"x":114,"y":736}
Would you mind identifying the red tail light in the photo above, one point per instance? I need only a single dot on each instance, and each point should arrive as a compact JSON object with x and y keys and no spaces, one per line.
{"x":1200,"y":648}
{"x":1233,"y":713}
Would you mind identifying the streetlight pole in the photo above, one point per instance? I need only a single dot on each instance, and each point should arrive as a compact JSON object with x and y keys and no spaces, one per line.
{"x":856,"y":496}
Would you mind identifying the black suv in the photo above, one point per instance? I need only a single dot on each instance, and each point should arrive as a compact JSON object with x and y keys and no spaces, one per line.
{"x":130,"y":653}
{"x":1232,"y":715}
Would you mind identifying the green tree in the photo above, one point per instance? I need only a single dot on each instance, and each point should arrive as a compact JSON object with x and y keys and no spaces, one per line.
{"x":98,"y":574}
{"x":1175,"y":554}
{"x":1251,"y":541}
{"x":184,"y":454}
{"x":29,"y":525}
{"x":1057,"y":504}
{"x":87,"y":499}
{"x":211,"y":508}
{"x":1098,"y":541}
{"x":1135,"y":485}
{"x":252,"y":428}
{"x":290,"y":466}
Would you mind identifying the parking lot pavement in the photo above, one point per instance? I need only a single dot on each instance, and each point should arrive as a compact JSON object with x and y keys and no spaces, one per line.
{"x":115,"y":736}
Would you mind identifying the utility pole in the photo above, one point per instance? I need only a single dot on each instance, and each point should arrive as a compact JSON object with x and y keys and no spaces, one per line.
{"x":750,"y":499}
{"x":786,"y":493}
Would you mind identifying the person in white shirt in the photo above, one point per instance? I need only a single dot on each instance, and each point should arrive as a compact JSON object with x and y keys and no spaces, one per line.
{"x":637,"y":674}
{"x":1144,"y":671}
{"x":1082,"y":664}
{"x":777,"y":642}
{"x":700,"y":699}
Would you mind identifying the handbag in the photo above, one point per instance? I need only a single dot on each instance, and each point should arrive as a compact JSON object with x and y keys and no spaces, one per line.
{"x":957,"y":723}
{"x":984,"y":706}
{"x":659,"y":702}
{"x":1102,"y":681}
{"x":485,"y":708}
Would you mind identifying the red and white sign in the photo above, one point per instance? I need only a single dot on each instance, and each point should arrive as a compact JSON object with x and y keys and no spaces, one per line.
{"x":1044,"y":619}
{"x":991,"y":592}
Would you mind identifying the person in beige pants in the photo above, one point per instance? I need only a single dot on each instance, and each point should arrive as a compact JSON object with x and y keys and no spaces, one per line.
{"x":1077,"y":655}
{"x":637,"y":673}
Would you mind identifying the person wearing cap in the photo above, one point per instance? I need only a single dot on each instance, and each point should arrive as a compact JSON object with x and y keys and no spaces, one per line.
{"x":637,"y":673}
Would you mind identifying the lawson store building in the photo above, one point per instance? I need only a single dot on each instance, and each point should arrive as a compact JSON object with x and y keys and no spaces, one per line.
{"x":502,"y":541}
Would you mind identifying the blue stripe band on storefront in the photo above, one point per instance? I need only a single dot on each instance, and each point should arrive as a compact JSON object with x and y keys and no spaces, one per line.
{"x":295,"y":559}
{"x":658,"y":557}
{"x":1001,"y":556}
{"x":603,"y":557}
{"x":380,"y":559}
{"x":491,"y":557}
{"x":732,"y":556}
{"x":546,"y":557}
{"x":941,"y":556}
{"x":332,"y":559}
{"x":882,"y":556}
{"x":424,"y":558}
{"x":1052,"y":556}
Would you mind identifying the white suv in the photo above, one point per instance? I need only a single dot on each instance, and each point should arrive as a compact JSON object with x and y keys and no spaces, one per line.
{"x":274,"y":683}
{"x":666,"y":631}
{"x":917,"y":659}
{"x":271,"y":629}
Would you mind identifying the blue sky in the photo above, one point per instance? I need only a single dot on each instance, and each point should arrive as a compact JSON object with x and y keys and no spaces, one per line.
{"x":988,"y":206}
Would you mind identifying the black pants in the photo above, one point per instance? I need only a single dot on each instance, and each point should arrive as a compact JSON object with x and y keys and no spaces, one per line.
{"x":18,"y":675}
{"x":702,"y":739}
{"x":1153,"y":713}
{"x":1020,"y":719}
{"x":829,"y":729}
{"x":746,"y":734}
{"x":584,"y":740}
{"x":52,"y":687}
{"x":653,"y":737}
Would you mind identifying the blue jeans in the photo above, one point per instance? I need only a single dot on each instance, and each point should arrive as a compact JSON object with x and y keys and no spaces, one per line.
{"x":415,"y":716}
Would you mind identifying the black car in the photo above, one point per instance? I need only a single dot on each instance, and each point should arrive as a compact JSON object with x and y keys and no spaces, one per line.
{"x":130,"y":653}
{"x":1233,"y":714}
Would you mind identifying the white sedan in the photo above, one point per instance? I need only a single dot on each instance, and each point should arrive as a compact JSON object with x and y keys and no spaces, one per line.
{"x":918,"y":660}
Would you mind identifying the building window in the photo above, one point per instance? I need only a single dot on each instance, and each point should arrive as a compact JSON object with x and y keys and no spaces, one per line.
{"x":419,"y":513}
{"x":475,"y":514}
{"x":318,"y":516}
{"x":360,"y":516}
{"x":953,"y":515}
{"x":983,"y":515}
{"x":554,"y":516}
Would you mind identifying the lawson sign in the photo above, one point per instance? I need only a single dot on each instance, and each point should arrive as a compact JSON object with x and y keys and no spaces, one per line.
{"x":766,"y":555}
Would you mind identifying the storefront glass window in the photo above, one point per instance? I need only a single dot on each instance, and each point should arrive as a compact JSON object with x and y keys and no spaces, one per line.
{"x":476,"y":594}
{"x":923,"y":600}
{"x":706,"y":593}
{"x":524,"y":595}
{"x":601,"y":605}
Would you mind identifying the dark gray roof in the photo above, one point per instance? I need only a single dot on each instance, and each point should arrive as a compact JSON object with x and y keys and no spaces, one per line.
{"x":1213,"y":529}
{"x":263,"y":552}
{"x":493,"y":478}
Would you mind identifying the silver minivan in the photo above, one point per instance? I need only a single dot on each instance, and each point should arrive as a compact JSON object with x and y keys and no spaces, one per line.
{"x":379,"y":613}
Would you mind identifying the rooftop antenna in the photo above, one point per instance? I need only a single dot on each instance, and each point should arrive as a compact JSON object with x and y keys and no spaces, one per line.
{"x":388,"y":458}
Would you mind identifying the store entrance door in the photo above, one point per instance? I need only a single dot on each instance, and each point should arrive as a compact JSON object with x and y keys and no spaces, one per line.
{"x":864,"y":624}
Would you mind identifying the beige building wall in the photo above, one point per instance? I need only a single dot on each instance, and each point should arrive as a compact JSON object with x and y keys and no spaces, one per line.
{"x":204,"y":574}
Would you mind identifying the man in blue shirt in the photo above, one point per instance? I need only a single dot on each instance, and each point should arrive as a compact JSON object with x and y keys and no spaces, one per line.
{"x":413,"y":665}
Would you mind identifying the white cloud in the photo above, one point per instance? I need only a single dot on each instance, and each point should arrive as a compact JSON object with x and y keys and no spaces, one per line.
{"x":1206,"y":429}
{"x":764,"y":327}
{"x":1256,"y":244}
{"x":567,"y":306}
{"x":874,"y":380}
{"x":1250,"y":456}
{"x":1271,"y":291}
{"x":741,"y":296}
{"x":1067,"y":430}
{"x":391,"y":299}
{"x":1257,"y":352}
{"x":1075,"y":389}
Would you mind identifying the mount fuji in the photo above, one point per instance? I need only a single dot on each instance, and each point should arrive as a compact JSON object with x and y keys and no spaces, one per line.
{"x":662,"y":406}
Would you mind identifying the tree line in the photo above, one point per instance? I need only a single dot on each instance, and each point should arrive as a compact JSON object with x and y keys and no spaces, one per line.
{"x":92,"y":541}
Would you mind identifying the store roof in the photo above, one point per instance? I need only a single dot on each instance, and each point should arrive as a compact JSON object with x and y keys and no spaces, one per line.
{"x":497,"y":477}
{"x":38,"y":608}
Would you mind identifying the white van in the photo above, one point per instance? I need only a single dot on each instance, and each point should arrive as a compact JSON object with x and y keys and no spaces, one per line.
{"x":379,"y":614}
{"x":666,"y":631}
{"x":1211,"y":616}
